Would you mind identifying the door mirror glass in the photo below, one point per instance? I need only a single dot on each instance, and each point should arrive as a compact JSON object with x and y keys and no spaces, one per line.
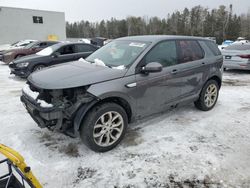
{"x":152,"y":67}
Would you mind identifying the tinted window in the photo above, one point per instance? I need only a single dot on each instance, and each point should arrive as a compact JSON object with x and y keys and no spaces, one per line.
{"x":69,"y":49}
{"x":208,"y":51}
{"x":238,"y":47}
{"x":213,"y":47}
{"x":189,"y":50}
{"x":43,"y":44}
{"x":163,"y":53}
{"x":31,"y":45}
{"x":84,"y":48}
{"x":52,"y":43}
{"x":25,"y":44}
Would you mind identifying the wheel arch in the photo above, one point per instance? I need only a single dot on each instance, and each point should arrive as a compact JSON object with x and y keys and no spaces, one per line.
{"x":85,"y":108}
{"x":36,"y":65}
{"x":217,"y":79}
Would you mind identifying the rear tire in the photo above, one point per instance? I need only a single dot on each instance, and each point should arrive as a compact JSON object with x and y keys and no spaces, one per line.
{"x":104,"y":127}
{"x":208,"y":96}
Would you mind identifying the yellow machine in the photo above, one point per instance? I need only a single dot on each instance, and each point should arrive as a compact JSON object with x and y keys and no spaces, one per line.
{"x":16,"y":167}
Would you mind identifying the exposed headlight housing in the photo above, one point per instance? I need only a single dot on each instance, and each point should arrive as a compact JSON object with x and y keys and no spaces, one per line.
{"x":25,"y":64}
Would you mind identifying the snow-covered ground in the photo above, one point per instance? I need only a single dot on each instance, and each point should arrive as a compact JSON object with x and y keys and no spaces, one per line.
{"x":181,"y":147}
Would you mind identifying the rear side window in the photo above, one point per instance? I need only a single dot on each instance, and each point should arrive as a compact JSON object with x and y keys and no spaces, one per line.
{"x":189,"y":50}
{"x":238,"y":47}
{"x":213,"y":47}
{"x":163,"y":53}
{"x":84,"y":48}
{"x":43,"y":44}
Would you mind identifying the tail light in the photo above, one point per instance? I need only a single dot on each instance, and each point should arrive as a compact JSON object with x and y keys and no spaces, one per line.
{"x":247,"y":56}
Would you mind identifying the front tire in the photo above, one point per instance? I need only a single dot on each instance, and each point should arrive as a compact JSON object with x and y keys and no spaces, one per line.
{"x":104,"y":127}
{"x":208,"y":96}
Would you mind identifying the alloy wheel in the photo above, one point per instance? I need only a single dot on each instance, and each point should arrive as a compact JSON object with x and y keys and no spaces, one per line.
{"x":210,"y":95}
{"x":108,"y":128}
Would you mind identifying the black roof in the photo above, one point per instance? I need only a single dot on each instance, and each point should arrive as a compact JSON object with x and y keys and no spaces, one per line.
{"x":157,"y":38}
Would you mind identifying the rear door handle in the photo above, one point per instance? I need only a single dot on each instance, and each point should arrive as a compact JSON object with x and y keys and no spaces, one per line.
{"x":203,"y":63}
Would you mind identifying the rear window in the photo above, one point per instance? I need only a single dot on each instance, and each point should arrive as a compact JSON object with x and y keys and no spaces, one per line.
{"x":189,"y":50}
{"x":238,"y":47}
{"x":213,"y":47}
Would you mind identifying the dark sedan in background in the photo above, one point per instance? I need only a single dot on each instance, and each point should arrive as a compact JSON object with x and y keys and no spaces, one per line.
{"x":9,"y":55}
{"x":56,"y":54}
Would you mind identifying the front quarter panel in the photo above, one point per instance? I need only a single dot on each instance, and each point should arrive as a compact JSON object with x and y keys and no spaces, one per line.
{"x":116,"y":88}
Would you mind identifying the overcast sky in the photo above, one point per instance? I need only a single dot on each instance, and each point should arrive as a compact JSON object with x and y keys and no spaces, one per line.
{"x":96,"y":10}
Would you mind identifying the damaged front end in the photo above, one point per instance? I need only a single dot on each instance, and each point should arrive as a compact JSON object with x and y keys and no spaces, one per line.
{"x":55,"y":109}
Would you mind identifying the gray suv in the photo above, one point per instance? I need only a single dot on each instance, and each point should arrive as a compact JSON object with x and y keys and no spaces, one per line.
{"x":128,"y":79}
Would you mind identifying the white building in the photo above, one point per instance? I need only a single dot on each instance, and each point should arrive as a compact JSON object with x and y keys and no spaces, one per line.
{"x":19,"y":24}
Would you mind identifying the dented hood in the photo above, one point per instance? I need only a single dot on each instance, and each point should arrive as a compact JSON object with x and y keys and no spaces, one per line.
{"x":74,"y":74}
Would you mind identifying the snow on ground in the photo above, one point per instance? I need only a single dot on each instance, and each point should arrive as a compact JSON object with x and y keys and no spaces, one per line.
{"x":183,"y":146}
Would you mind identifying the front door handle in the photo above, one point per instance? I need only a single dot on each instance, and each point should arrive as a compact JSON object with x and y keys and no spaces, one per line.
{"x":174,"y":71}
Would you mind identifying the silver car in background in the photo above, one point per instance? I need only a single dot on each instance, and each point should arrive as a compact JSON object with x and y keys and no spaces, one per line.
{"x":236,"y":57}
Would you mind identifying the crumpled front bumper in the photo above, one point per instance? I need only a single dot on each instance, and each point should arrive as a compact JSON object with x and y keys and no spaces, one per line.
{"x":44,"y":117}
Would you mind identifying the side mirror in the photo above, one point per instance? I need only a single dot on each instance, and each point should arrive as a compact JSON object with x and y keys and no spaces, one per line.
{"x":152,"y":67}
{"x":56,"y":54}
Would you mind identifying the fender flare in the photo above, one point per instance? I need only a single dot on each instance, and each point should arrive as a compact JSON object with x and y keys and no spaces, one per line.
{"x":81,"y":112}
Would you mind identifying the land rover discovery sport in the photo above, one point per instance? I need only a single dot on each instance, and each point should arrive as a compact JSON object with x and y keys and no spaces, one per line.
{"x":127,"y":79}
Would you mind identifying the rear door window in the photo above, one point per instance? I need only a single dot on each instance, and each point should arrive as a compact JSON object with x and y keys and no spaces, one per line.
{"x":84,"y":48}
{"x":163,"y":53}
{"x":189,"y":50}
{"x":69,"y":49}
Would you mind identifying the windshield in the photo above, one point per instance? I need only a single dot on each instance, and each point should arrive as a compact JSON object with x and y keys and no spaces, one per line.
{"x":49,"y":50}
{"x":118,"y":53}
